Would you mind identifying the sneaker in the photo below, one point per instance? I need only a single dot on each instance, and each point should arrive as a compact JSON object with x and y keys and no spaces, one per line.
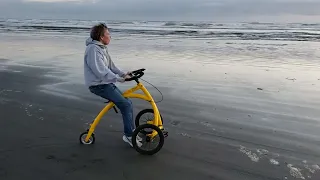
{"x":129,"y":140}
{"x":138,"y":137}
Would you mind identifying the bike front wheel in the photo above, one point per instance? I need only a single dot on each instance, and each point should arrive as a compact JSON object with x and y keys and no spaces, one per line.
{"x":150,"y":145}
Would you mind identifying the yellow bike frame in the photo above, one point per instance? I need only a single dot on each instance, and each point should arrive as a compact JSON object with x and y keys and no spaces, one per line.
{"x":130,"y":93}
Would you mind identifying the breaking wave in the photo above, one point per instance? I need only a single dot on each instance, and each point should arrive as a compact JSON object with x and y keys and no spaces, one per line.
{"x":243,"y":31}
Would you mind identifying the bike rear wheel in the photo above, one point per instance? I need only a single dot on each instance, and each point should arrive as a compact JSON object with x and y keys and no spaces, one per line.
{"x":145,"y":116}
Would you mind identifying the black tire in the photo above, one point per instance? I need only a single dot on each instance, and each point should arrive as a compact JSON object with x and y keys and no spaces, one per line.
{"x":82,"y":138}
{"x":147,"y":152}
{"x":137,"y":120}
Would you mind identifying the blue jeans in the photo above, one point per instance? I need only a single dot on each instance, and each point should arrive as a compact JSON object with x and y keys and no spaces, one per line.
{"x":112,"y":93}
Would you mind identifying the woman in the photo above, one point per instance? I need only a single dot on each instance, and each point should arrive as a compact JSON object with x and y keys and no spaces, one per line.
{"x":101,"y":74}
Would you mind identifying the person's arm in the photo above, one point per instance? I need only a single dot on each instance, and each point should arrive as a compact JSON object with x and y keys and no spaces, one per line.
{"x":96,"y":63}
{"x":116,"y":70}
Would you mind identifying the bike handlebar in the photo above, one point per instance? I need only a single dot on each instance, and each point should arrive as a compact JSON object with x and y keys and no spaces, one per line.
{"x":136,"y":74}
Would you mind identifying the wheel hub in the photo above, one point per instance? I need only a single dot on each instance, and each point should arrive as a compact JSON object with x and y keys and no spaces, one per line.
{"x":148,"y":139}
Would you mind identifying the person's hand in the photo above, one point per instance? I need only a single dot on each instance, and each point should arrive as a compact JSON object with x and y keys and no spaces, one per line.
{"x":123,"y":79}
{"x":127,"y":77}
{"x":120,"y":79}
{"x":128,"y":73}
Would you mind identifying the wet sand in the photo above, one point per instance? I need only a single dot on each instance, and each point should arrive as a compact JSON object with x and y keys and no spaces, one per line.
{"x":40,"y":130}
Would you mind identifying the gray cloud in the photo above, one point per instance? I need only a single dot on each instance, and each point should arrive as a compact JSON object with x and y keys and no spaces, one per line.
{"x":215,"y":10}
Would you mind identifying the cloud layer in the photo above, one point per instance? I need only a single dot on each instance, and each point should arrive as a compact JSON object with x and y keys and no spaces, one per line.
{"x":214,"y":10}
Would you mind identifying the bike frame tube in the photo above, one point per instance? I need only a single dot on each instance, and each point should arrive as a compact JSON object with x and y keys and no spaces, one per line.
{"x":147,"y":97}
{"x":130,"y":93}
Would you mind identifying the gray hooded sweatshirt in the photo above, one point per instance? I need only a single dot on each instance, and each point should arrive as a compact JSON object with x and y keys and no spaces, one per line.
{"x":98,"y":66}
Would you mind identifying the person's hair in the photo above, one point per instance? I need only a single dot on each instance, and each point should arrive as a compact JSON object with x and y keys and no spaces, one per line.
{"x":97,"y":31}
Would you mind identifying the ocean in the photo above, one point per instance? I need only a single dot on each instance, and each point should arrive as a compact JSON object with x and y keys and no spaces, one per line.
{"x":218,"y":31}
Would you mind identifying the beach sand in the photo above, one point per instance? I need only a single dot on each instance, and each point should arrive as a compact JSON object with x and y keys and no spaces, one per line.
{"x":226,"y":120}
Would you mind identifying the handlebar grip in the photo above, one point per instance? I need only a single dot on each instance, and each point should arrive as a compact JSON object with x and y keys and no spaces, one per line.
{"x":135,"y":77}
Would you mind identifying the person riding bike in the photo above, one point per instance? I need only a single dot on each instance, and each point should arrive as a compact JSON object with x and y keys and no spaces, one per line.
{"x":101,"y":74}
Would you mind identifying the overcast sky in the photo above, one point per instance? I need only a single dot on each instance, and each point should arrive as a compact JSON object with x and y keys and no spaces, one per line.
{"x":200,"y":10}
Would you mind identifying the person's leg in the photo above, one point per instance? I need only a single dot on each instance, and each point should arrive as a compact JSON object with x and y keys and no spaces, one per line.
{"x":112,"y":93}
{"x":131,"y":109}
